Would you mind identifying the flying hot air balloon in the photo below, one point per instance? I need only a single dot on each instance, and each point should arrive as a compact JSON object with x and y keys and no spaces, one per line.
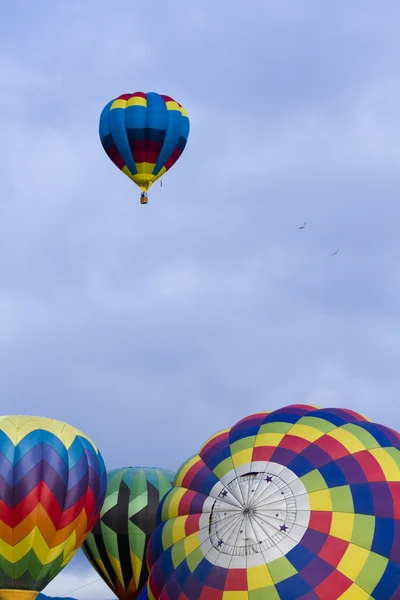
{"x":52,"y":487}
{"x":144,"y":135}
{"x":117,"y":545}
{"x":297,"y":503}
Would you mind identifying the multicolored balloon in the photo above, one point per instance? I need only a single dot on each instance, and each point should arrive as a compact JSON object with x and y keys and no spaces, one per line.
{"x":117,"y":545}
{"x":52,"y":486}
{"x":144,"y":135}
{"x":296,"y":503}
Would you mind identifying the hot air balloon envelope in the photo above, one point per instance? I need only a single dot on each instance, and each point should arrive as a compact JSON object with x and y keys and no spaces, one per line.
{"x":117,"y":544}
{"x":296,"y":503}
{"x":52,"y":487}
{"x":144,"y":135}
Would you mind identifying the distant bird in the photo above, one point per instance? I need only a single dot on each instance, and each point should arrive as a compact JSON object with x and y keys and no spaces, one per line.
{"x":333,"y":254}
{"x":303,"y":226}
{"x":160,"y":182}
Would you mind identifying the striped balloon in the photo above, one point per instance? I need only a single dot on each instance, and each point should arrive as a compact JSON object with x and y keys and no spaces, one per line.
{"x":52,"y":488}
{"x":117,"y":545}
{"x":144,"y":135}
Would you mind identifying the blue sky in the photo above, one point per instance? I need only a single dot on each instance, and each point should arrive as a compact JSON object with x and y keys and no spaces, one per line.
{"x":150,"y":328}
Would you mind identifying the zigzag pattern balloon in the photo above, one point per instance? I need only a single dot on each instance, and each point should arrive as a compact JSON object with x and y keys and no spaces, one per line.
{"x":117,"y":545}
{"x":52,"y":487}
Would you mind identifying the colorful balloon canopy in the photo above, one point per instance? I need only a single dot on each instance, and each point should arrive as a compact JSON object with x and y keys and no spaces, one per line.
{"x":144,"y":135}
{"x":144,"y":595}
{"x":117,"y":545}
{"x":296,"y":503}
{"x":52,"y":486}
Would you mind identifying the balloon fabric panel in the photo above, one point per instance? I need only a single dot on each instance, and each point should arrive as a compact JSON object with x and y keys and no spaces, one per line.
{"x":144,"y":135}
{"x":117,"y":544}
{"x":297,"y":503}
{"x":143,"y":594}
{"x":52,"y":487}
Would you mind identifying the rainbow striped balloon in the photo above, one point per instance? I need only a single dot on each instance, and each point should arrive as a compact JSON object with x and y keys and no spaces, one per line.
{"x":52,"y":487}
{"x":144,"y":135}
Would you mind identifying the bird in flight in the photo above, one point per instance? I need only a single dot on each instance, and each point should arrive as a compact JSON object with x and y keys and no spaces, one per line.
{"x":303,"y":226}
{"x":333,"y":254}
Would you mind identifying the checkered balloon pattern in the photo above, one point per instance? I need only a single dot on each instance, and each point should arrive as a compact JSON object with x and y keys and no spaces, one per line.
{"x":116,"y":547}
{"x":297,"y":503}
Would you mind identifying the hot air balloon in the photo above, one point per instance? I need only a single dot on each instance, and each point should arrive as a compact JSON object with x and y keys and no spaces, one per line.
{"x":117,"y":545}
{"x":144,"y":135}
{"x":144,"y":595}
{"x":297,"y":503}
{"x":52,"y":486}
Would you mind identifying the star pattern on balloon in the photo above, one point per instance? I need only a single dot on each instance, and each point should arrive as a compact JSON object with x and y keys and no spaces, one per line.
{"x":312,"y":511}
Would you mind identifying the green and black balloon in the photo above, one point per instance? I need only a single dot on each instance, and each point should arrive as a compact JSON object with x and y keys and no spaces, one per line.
{"x":117,"y":545}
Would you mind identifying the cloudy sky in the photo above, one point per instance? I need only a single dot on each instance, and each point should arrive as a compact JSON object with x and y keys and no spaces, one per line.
{"x":152,"y":327}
